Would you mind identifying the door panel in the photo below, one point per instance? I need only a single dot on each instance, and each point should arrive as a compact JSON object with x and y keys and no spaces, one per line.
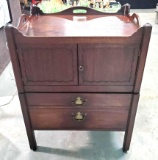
{"x":55,"y":65}
{"x":104,"y":64}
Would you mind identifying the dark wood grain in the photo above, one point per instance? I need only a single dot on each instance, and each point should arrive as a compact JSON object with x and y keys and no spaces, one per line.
{"x":67,"y":26}
{"x":143,"y":54}
{"x":92,"y":100}
{"x":92,"y":23}
{"x":107,"y":119}
{"x":14,"y":58}
{"x":101,"y":60}
{"x":54,"y":65}
{"x":28,"y":123}
{"x":130,"y":123}
{"x":106,"y":64}
{"x":85,"y":89}
{"x":47,"y":40}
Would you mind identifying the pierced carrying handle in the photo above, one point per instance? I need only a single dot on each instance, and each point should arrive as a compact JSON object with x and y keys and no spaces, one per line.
{"x":134,"y":17}
{"x":79,"y":10}
{"x":23,"y":20}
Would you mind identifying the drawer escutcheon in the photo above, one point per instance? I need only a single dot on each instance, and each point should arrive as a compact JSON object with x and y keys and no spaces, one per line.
{"x":79,"y":116}
{"x":79,"y":101}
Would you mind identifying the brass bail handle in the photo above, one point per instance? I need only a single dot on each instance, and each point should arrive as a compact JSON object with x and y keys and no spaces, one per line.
{"x":79,"y":116}
{"x":79,"y":101}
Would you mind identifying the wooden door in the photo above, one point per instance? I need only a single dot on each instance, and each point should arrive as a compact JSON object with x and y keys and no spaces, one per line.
{"x":105,"y":64}
{"x":50,"y":65}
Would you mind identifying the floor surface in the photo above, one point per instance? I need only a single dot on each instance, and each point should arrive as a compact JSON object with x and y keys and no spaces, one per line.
{"x":84,"y":145}
{"x":4,"y":54}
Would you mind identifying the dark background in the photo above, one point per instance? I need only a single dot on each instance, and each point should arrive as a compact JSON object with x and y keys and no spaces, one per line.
{"x":140,"y":4}
{"x":137,"y":4}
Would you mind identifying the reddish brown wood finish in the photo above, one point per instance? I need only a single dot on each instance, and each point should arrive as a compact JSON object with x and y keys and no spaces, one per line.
{"x":96,"y":60}
{"x":143,"y":53}
{"x":62,"y":119}
{"x":100,"y":89}
{"x":54,"y":65}
{"x":101,"y":60}
{"x":125,"y":9}
{"x":66,"y":99}
{"x":130,"y":123}
{"x":98,"y":26}
{"x":103,"y":111}
{"x":14,"y":58}
{"x":28,"y":123}
{"x":93,"y":23}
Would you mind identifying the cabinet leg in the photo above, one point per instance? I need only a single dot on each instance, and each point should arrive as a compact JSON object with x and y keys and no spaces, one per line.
{"x":32,"y":140}
{"x":29,"y":130}
{"x":130,"y":123}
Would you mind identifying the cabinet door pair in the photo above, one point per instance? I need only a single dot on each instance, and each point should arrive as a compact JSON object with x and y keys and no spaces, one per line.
{"x":82,"y":64}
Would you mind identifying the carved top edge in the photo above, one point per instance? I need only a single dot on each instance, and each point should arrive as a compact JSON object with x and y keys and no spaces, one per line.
{"x":125,"y":9}
{"x":77,"y":39}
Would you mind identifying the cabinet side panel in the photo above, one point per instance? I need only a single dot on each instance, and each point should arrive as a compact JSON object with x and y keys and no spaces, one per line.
{"x":143,"y":54}
{"x":14,"y":58}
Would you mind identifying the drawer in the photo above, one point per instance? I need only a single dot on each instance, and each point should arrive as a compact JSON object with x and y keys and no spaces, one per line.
{"x":44,"y":118}
{"x":53,"y":100}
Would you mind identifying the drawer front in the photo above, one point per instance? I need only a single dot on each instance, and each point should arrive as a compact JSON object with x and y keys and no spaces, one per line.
{"x":78,"y":100}
{"x":79,"y":111}
{"x":78,"y":119}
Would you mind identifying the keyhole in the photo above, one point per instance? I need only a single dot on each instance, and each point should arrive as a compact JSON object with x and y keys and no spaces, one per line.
{"x":81,"y":68}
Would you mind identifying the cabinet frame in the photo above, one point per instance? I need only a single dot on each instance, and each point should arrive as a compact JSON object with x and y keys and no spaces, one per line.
{"x":16,"y":40}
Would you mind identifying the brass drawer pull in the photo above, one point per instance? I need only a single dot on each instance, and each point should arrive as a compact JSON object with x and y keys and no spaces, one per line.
{"x":79,"y":101}
{"x":79,"y":116}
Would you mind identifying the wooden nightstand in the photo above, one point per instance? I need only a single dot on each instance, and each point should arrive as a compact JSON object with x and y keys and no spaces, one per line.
{"x":79,"y":73}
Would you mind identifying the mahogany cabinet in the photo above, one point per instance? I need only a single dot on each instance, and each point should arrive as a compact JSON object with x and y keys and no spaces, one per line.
{"x":79,"y":71}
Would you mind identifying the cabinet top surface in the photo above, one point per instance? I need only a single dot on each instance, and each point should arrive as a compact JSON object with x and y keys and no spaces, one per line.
{"x":78,"y":26}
